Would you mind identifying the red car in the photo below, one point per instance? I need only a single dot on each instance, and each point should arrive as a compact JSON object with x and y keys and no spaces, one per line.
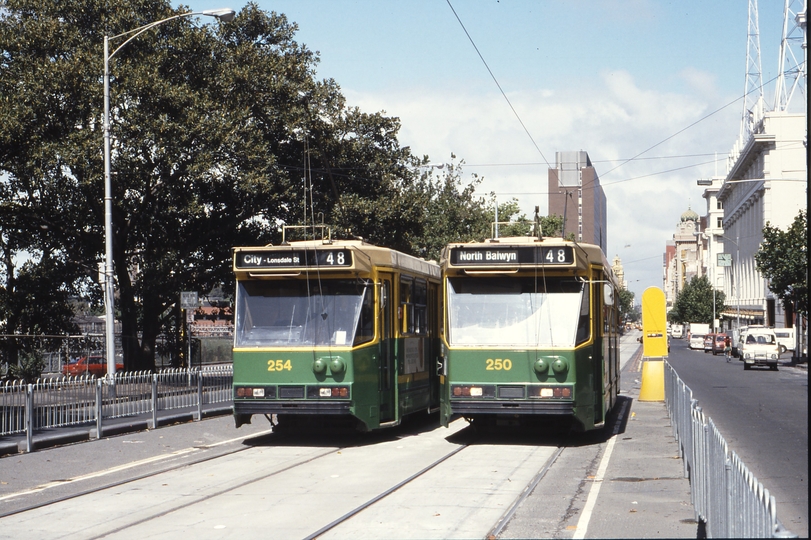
{"x":718,"y":343}
{"x":91,"y":365}
{"x":709,"y":339}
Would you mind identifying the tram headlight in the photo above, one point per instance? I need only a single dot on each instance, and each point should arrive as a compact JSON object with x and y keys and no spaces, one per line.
{"x":541,"y":365}
{"x":560,"y":366}
{"x":337,"y":365}
{"x":319,"y":365}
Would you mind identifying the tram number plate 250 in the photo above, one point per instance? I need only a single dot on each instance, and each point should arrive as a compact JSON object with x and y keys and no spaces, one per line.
{"x":499,"y":364}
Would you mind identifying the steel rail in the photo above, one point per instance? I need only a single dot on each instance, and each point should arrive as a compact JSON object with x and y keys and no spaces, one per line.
{"x":506,"y":516}
{"x":383,"y":495}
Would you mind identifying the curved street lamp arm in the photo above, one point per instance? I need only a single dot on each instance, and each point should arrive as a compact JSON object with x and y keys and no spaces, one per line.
{"x":222,"y":14}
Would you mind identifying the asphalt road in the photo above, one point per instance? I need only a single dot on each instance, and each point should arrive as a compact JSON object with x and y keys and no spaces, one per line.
{"x":763,"y":415}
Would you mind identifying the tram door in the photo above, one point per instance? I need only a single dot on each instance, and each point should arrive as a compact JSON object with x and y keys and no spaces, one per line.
{"x":386,"y":377}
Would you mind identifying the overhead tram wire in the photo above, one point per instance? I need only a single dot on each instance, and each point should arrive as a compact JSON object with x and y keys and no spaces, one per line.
{"x":497,"y":84}
{"x":690,"y":125}
{"x":634,"y":158}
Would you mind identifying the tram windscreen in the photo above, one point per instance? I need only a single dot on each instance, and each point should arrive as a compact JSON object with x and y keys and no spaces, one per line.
{"x":517,"y":312}
{"x":303,"y":313}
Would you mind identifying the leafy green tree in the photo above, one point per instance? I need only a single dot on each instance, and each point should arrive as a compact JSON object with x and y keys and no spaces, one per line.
{"x":783,"y":260}
{"x":520,"y":225}
{"x":35,"y":286}
{"x":694,"y":302}
{"x":29,"y":368}
{"x":219,"y":134}
{"x":625,"y":299}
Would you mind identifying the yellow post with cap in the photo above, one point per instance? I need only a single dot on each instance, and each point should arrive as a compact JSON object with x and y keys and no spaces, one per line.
{"x":654,"y":345}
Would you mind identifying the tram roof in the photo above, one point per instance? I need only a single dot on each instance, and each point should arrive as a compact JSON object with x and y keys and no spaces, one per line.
{"x":365,"y":257}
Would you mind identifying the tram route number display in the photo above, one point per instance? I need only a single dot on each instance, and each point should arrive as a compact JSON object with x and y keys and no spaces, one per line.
{"x":535,"y":255}
{"x":293,"y":259}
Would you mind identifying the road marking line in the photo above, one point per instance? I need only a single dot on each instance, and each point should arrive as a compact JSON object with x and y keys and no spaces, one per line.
{"x":126,"y":466}
{"x":585,"y":517}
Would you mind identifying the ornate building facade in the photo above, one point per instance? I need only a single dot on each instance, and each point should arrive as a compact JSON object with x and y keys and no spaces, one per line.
{"x":684,"y":255}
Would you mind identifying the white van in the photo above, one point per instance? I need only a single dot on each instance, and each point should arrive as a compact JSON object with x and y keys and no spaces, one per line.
{"x":696,"y":336}
{"x":759,"y":347}
{"x":676,"y":331}
{"x":737,"y":333}
{"x":785,"y":338}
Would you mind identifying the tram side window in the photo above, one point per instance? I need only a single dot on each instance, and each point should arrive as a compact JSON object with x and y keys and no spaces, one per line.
{"x":583,"y":320}
{"x":366,"y":322}
{"x":420,"y":307}
{"x":413,"y":306}
{"x":405,"y":311}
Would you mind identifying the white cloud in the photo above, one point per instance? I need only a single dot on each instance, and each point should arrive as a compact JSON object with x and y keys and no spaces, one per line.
{"x":613,"y":120}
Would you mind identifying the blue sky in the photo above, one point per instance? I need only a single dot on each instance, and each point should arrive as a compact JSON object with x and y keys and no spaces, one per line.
{"x":611,"y":77}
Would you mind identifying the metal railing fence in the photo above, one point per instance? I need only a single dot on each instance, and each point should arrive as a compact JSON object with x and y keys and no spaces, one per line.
{"x":727,"y":497}
{"x":73,"y":401}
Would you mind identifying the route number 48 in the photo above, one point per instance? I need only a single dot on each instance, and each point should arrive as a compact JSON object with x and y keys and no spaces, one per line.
{"x":336,"y":258}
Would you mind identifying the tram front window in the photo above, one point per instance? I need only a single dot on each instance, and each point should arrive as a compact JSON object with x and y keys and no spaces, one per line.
{"x":517,"y":312}
{"x":303,"y":313}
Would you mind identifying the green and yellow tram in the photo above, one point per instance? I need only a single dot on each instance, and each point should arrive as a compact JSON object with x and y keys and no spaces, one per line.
{"x":334,"y":333}
{"x":530,"y":333}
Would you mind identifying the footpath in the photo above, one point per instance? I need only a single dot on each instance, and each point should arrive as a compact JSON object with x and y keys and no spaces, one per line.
{"x":643,"y":492}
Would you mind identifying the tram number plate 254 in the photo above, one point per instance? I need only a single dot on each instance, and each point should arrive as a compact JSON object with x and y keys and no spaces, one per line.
{"x":279,"y":365}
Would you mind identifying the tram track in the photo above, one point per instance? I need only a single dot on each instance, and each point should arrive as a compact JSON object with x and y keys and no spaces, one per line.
{"x":493,"y":533}
{"x":455,"y":484}
{"x":416,"y":513}
{"x":123,"y":481}
{"x":386,"y":493}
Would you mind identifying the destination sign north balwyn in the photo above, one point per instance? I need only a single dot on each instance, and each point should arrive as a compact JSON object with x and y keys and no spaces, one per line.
{"x":511,"y":255}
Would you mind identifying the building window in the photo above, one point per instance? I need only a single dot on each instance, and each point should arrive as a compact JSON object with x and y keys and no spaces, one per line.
{"x":719,"y":204}
{"x":719,"y":223}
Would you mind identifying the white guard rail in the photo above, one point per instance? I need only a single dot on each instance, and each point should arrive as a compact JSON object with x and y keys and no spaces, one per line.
{"x":726,"y":496}
{"x":74,"y":401}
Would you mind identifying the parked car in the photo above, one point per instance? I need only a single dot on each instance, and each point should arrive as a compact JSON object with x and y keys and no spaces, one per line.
{"x":709,"y":339}
{"x":759,"y":348}
{"x":718,"y":343}
{"x":89,"y":365}
{"x":785,"y":338}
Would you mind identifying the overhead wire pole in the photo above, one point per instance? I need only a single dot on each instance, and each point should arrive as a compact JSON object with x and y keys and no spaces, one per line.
{"x":225,"y":15}
{"x":753,"y":85}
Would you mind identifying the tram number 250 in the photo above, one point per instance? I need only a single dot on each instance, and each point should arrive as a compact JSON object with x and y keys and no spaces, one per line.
{"x":279,"y":365}
{"x":498,"y":364}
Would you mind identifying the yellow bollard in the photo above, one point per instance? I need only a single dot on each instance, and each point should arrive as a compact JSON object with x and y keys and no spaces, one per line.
{"x":653,"y":381}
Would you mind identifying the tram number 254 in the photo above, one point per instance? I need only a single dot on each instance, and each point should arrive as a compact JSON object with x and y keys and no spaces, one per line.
{"x":279,"y":365}
{"x":498,"y":364}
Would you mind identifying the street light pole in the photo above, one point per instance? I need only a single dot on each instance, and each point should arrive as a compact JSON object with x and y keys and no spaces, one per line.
{"x":737,"y":278}
{"x":225,"y":15}
{"x":734,"y":277}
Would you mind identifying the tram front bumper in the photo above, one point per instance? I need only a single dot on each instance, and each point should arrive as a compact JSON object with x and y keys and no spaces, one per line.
{"x":291,"y":407}
{"x":469,"y":407}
